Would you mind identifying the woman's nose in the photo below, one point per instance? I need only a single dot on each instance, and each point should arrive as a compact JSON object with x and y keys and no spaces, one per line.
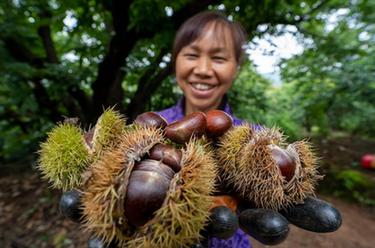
{"x":203,"y":67}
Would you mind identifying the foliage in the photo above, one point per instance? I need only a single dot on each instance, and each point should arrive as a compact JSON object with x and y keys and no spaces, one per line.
{"x":248,"y":95}
{"x":76,"y":58}
{"x":333,"y":80}
{"x":353,"y":185}
{"x":255,"y":99}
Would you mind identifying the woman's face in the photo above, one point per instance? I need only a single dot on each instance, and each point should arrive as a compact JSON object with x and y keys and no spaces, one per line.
{"x":205,"y":70}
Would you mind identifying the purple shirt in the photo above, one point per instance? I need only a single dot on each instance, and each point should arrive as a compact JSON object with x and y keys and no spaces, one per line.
{"x":177,"y":112}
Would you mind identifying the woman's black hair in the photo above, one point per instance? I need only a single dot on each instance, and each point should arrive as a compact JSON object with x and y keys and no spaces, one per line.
{"x":193,"y":28}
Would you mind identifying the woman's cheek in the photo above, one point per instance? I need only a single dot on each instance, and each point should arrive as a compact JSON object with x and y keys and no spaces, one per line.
{"x":181,"y":79}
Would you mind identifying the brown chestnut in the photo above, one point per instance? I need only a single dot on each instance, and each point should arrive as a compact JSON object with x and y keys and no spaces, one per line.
{"x":168,"y":155}
{"x":284,"y":161}
{"x":156,"y":166}
{"x":146,"y":191}
{"x":145,"y":194}
{"x":181,"y":131}
{"x":218,"y":122}
{"x":151,"y":119}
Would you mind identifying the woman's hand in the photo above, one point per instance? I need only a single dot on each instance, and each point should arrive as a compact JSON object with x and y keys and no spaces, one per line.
{"x":267,"y":226}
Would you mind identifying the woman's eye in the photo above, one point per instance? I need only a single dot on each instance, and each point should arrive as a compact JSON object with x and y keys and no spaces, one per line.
{"x":191,"y":55}
{"x":219,"y":58}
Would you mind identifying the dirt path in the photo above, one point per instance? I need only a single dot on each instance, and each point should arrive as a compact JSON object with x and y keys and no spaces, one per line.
{"x":357,"y":230}
{"x":29,"y":218}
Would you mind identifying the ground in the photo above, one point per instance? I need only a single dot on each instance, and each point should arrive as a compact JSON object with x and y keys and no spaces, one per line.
{"x":357,"y":230}
{"x":29,"y":214}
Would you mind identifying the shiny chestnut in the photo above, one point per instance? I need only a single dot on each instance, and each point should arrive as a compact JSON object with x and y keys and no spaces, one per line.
{"x":218,"y":122}
{"x":151,"y":119}
{"x":284,"y":161}
{"x":181,"y":131}
{"x":146,"y":191}
{"x":155,"y":166}
{"x":168,"y":155}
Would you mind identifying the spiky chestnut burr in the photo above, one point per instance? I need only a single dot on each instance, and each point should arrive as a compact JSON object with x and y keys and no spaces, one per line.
{"x":68,"y":151}
{"x":303,"y":184}
{"x":64,"y":156}
{"x":185,"y":210}
{"x":185,"y":207}
{"x":110,"y":126}
{"x":104,"y":197}
{"x":253,"y":165}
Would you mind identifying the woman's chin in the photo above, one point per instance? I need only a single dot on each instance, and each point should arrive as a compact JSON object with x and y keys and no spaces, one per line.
{"x":202,"y":105}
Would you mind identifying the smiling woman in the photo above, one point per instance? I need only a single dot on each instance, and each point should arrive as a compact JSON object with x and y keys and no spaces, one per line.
{"x":205,"y":70}
{"x":207,"y":53}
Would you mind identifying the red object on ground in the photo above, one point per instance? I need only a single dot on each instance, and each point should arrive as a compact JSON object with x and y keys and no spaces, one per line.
{"x":368,"y":161}
{"x":226,"y":201}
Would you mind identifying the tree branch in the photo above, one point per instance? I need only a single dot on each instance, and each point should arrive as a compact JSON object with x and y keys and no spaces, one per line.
{"x":44,"y":32}
{"x":141,"y":97}
{"x":107,"y":86}
{"x":21,"y":52}
{"x":190,"y":9}
{"x":14,"y":118}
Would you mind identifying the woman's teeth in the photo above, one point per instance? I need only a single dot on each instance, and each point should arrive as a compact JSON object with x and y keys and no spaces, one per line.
{"x":202,"y":86}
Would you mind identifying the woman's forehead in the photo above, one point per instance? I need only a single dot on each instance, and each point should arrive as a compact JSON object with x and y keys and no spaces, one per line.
{"x":217,"y":35}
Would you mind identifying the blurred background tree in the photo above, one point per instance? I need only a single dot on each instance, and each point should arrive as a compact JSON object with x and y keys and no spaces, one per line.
{"x":74,"y":58}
